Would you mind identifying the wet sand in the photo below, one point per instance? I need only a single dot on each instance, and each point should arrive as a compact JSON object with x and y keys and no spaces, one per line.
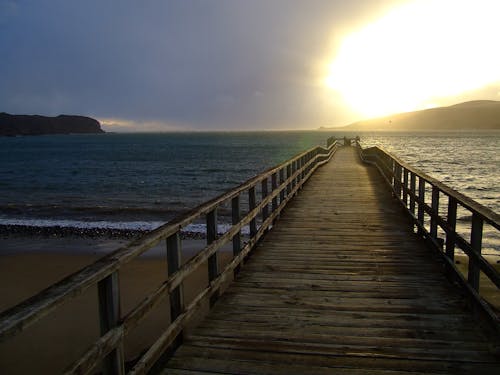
{"x":28,"y":265}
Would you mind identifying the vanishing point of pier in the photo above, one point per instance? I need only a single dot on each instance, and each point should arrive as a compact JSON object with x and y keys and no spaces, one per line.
{"x":347,"y":268}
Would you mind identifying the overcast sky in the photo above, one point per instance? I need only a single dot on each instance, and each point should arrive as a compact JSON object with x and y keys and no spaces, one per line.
{"x":153,"y":65}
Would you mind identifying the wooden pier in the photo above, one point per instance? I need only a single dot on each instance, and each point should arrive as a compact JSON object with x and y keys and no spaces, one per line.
{"x":347,"y":269}
{"x":341,"y":285}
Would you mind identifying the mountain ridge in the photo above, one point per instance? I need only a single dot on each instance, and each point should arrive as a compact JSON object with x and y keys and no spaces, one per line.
{"x":472,"y":115}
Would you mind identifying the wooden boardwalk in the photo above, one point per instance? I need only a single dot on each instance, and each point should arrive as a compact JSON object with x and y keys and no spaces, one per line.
{"x":341,"y":285}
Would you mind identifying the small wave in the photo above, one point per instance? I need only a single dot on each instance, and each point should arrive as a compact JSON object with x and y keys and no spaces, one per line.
{"x":121,"y":225}
{"x":114,"y":225}
{"x":221,"y":228}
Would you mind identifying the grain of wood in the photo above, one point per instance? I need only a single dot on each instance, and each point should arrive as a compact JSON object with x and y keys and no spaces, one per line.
{"x":342,"y":285}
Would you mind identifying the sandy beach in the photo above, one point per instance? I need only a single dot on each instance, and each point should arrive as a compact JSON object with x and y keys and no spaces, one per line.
{"x":28,"y":265}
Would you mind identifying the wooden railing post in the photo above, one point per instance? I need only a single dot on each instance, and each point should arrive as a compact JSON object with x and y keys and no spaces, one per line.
{"x":405,"y":187}
{"x":421,"y":203}
{"x":397,"y":179}
{"x":476,"y":239}
{"x":413,"y":189}
{"x":264,"y":192}
{"x":251,"y":205}
{"x":452,"y":223}
{"x":274,"y":185}
{"x":288,"y":174}
{"x":109,"y":314}
{"x":174,"y":262}
{"x":213,"y":264}
{"x":282,"y":179}
{"x":435,"y":211}
{"x":301,"y":166}
{"x":389,"y":163}
{"x":235,"y":219}
{"x":390,"y":167}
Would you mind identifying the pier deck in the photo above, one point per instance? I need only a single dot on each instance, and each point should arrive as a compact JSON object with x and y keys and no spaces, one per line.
{"x":340,"y":285}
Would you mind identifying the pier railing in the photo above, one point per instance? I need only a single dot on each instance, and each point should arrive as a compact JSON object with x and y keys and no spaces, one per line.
{"x":265,"y":195}
{"x":433,"y":206}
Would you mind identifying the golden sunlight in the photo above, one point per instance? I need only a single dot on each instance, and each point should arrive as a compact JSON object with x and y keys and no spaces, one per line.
{"x":418,"y":53}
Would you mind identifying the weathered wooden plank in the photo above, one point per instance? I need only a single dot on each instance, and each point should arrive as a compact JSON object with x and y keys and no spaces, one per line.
{"x":343,"y":362}
{"x":319,"y":327}
{"x":340,"y":279}
{"x":335,"y":362}
{"x":344,"y":346}
{"x":174,"y":371}
{"x":341,"y":303}
{"x":447,"y":323}
{"x":234,"y":366}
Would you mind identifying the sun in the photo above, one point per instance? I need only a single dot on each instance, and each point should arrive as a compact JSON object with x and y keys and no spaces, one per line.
{"x":416,"y":54}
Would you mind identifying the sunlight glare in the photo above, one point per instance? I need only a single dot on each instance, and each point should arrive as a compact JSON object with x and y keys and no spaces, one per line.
{"x":418,"y":53}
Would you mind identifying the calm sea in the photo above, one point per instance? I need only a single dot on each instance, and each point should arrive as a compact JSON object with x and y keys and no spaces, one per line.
{"x":142,"y":180}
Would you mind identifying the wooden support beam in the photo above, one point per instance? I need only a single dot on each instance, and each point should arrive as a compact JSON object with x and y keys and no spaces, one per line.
{"x":251,"y":205}
{"x":109,"y":316}
{"x":235,"y":219}
{"x":174,"y":261}
{"x":264,"y":193}
{"x":405,"y":187}
{"x":288,"y":174}
{"x":476,"y":238}
{"x":413,"y":192}
{"x":435,"y":211}
{"x":213,"y":264}
{"x":397,"y":179}
{"x":274,"y":186}
{"x":421,"y":202}
{"x":282,"y":179}
{"x":452,"y":223}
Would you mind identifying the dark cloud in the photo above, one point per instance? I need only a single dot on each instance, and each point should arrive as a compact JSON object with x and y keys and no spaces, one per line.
{"x":198,"y":64}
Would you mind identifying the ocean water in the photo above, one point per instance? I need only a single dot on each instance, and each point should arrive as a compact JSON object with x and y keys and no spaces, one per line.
{"x":130,"y":180}
{"x":138,"y":181}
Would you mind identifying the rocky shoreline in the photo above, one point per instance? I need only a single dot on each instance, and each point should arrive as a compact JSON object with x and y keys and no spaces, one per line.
{"x":17,"y":231}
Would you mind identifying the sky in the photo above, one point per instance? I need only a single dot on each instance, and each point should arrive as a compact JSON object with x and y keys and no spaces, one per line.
{"x":244,"y":65}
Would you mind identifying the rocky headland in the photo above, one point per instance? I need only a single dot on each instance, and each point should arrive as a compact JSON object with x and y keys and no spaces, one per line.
{"x":14,"y":125}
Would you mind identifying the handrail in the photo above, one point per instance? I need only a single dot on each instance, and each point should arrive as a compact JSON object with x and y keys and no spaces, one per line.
{"x":284,"y":181}
{"x":402,"y":178}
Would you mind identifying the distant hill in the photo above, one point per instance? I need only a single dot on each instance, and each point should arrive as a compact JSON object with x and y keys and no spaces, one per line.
{"x":12,"y":125}
{"x":475,"y":115}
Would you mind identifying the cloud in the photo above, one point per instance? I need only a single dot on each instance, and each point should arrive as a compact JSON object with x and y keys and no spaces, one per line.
{"x":196,"y":64}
